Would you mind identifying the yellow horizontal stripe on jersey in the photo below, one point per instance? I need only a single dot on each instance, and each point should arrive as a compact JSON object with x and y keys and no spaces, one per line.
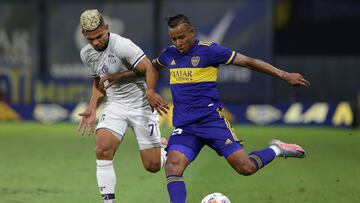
{"x":193,"y":75}
{"x":231,"y":57}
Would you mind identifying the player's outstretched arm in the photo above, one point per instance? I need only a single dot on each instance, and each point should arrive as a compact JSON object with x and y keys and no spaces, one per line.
{"x":156,"y":101}
{"x":109,"y":80}
{"x":87,"y":122}
{"x":295,"y":79}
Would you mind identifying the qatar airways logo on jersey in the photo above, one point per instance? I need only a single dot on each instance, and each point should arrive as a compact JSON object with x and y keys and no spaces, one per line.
{"x":181,"y":75}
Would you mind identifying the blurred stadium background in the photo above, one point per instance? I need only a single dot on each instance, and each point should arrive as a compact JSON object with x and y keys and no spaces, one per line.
{"x":44,"y":85}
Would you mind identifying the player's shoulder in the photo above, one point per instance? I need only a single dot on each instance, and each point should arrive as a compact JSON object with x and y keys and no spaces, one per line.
{"x":203,"y":43}
{"x":122,"y":45}
{"x":206,"y":45}
{"x":86,"y":51}
{"x":117,"y":40}
{"x":169,"y":49}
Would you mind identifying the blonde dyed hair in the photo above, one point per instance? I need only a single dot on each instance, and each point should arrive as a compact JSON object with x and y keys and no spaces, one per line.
{"x":90,"y":20}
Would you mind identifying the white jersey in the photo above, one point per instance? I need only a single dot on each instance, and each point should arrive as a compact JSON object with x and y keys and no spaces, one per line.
{"x":121,"y":54}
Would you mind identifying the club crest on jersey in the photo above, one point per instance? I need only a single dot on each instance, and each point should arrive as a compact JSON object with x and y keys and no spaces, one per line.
{"x":104,"y":69}
{"x":195,"y":60}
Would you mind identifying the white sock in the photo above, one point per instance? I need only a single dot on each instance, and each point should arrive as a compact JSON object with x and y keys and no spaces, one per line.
{"x":106,"y":179}
{"x":163,"y":157}
{"x":276,"y":149}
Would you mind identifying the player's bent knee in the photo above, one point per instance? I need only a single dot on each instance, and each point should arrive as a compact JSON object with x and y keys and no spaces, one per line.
{"x":104,"y":154}
{"x":176,"y":163}
{"x":153,"y":168}
{"x":173,"y":167}
{"x":151,"y":159}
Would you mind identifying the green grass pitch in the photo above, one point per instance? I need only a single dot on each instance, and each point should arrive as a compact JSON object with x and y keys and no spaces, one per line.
{"x":53,"y":164}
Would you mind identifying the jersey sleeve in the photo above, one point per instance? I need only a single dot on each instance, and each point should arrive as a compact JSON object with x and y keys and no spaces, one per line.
{"x":84,"y":56}
{"x":221,"y":55}
{"x":129,"y":51}
{"x":161,"y":60}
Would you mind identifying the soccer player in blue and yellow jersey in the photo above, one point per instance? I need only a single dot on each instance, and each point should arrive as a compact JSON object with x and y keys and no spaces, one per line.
{"x":198,"y":117}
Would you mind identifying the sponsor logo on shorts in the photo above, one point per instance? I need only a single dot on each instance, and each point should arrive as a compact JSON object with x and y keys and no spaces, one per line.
{"x":177,"y":131}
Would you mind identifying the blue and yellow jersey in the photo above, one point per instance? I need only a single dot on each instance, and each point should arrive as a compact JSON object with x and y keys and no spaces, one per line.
{"x":193,"y":78}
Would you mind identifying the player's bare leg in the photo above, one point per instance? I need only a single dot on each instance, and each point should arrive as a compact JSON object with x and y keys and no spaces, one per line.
{"x":106,"y":145}
{"x":154,"y":158}
{"x":151,"y":159}
{"x":240,"y":162}
{"x":174,"y":169}
{"x":249,"y":164}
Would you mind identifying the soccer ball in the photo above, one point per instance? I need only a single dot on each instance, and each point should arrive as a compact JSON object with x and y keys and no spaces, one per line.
{"x":215,"y":197}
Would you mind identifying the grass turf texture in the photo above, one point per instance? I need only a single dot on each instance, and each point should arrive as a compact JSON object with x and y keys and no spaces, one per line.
{"x":53,"y":164}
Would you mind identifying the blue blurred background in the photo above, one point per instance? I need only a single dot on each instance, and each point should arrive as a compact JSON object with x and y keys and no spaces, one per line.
{"x":42,"y":77}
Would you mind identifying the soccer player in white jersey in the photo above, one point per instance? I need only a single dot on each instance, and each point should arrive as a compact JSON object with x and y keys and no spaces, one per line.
{"x":130,"y":102}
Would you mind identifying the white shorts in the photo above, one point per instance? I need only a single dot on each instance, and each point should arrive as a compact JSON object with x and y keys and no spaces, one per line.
{"x":144,"y":123}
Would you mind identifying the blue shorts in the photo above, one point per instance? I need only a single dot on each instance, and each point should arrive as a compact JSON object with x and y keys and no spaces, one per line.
{"x":214,"y":131}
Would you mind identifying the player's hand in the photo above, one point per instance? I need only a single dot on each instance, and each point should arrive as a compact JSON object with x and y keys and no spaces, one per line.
{"x":107,"y":81}
{"x":86,"y":125}
{"x":296,"y":79}
{"x":156,"y":102}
